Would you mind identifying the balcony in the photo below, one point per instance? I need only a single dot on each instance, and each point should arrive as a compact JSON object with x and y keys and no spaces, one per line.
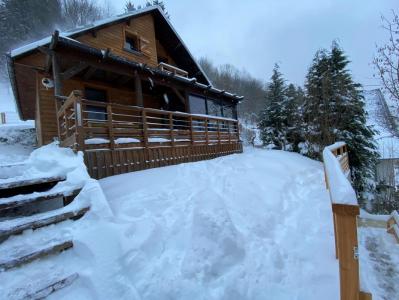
{"x":120,"y":138}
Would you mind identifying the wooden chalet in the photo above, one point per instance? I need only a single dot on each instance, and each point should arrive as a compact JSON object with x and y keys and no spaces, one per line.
{"x":127,"y":92}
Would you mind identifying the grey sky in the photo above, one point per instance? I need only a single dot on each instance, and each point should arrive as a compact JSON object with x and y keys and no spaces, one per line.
{"x":255,"y":34}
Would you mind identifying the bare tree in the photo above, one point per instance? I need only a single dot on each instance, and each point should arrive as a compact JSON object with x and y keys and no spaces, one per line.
{"x":387,"y":59}
{"x":81,"y":12}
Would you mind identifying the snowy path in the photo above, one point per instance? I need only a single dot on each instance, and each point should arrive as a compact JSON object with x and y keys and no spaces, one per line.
{"x":379,"y":262}
{"x":250,"y":226}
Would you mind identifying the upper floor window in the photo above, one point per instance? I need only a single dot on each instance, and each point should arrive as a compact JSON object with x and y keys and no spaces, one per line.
{"x":132,"y":42}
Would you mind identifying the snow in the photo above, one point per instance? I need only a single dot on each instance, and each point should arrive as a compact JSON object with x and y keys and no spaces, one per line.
{"x":364,"y":214}
{"x":17,"y":141}
{"x":336,"y":145}
{"x":395,"y":216}
{"x":126,"y":140}
{"x":158,"y":140}
{"x":379,"y":263}
{"x":380,"y":110}
{"x":256,"y":225}
{"x":96,"y":141}
{"x":340,"y":188}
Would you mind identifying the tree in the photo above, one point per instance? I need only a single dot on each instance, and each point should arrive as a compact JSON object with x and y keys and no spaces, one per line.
{"x":273,"y":121}
{"x":129,"y":6}
{"x":334,"y":111}
{"x":387,"y":60}
{"x":26,"y":20}
{"x":81,"y":12}
{"x":293,"y":109}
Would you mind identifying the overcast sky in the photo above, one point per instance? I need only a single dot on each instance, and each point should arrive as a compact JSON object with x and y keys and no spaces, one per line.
{"x":255,"y":34}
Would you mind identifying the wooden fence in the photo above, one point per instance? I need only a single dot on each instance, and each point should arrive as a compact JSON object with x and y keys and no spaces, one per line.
{"x":120,"y":138}
{"x":2,"y":118}
{"x":345,"y":224}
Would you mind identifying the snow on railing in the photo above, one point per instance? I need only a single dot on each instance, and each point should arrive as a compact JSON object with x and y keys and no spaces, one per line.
{"x":393,"y":224}
{"x":345,"y":211}
{"x":341,"y":190}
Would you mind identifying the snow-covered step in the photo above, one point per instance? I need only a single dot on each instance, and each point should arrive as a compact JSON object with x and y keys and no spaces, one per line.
{"x":43,"y":288}
{"x":21,"y":200}
{"x":16,"y":226}
{"x":12,"y":187}
{"x":24,"y":255}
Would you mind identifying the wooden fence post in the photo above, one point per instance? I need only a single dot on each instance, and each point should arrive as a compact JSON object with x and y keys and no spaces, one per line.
{"x":79,"y":130}
{"x":3,"y":118}
{"x":110,"y":127}
{"x":345,"y":217}
{"x":145,"y":131}
{"x":172,"y":138}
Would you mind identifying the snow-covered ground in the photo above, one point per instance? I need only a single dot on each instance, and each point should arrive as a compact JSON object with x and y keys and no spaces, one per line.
{"x":256,"y":225}
{"x":379,"y":263}
{"x":17,"y":141}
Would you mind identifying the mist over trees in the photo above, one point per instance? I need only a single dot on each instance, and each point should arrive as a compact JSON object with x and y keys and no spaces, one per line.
{"x":41,"y":17}
{"x":229,"y":78}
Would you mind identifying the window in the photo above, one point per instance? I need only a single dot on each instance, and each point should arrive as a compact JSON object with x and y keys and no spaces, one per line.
{"x":96,"y":112}
{"x":197,"y":104}
{"x":214,"y":107}
{"x":132,"y":42}
{"x":228,"y":111}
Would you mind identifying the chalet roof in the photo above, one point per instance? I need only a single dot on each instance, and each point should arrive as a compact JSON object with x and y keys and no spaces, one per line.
{"x":164,"y":28}
{"x":102,"y":54}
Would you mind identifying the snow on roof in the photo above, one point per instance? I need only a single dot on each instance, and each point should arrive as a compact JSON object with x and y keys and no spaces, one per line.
{"x":380,"y":112}
{"x":80,"y":29}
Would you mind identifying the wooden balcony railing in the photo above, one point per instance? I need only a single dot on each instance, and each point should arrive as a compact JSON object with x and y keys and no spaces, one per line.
{"x":89,"y":125}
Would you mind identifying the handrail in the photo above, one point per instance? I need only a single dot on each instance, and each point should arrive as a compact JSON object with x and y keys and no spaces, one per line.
{"x":175,"y":70}
{"x":345,"y":211}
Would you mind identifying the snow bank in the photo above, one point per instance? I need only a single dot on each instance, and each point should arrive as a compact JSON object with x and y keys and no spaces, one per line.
{"x":17,"y":141}
{"x":340,"y":188}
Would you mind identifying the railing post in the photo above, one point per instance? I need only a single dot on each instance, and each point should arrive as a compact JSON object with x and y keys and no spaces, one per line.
{"x":172,"y":139}
{"x":79,"y":130}
{"x":346,"y":229}
{"x":218,"y":124}
{"x":3,"y":118}
{"x":206,"y":131}
{"x":145,"y":129}
{"x":191,"y":129}
{"x":110,"y":127}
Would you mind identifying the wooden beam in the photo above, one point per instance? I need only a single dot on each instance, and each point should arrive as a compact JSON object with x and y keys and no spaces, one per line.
{"x":138,"y":89}
{"x":179,"y":95}
{"x":122,"y":79}
{"x":72,"y":71}
{"x":56,"y":75}
{"x":89,"y":73}
{"x":53,"y":43}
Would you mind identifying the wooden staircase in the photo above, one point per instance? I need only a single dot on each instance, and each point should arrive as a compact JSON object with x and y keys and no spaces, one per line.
{"x":17,"y":198}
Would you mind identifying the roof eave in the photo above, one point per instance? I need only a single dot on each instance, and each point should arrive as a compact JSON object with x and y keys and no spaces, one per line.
{"x":13,"y":81}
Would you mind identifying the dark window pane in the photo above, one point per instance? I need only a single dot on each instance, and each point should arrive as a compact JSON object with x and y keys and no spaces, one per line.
{"x":96,"y":112}
{"x":197,"y":104}
{"x":132,"y":42}
{"x":214,"y":107}
{"x":228,"y":112}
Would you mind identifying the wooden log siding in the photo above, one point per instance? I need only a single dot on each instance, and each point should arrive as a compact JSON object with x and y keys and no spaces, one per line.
{"x":132,"y":138}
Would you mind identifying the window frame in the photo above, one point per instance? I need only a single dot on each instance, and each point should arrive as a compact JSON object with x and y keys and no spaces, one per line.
{"x":135,"y":35}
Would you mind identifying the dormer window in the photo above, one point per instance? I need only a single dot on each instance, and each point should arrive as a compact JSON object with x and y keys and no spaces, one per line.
{"x":132,"y":42}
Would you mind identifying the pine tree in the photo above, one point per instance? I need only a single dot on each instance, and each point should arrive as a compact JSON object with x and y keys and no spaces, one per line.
{"x":129,"y":6}
{"x":350,"y":119}
{"x":273,"y":121}
{"x":292,"y":108}
{"x":334,"y":111}
{"x":161,"y":5}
